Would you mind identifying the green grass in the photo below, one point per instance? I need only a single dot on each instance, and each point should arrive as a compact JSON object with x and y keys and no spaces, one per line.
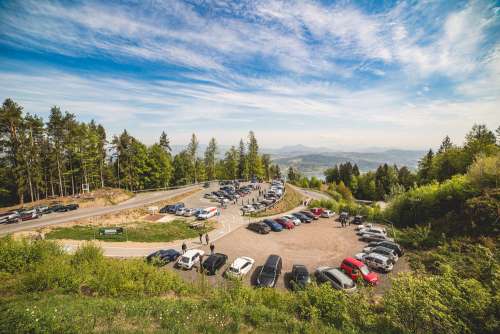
{"x":140,"y":232}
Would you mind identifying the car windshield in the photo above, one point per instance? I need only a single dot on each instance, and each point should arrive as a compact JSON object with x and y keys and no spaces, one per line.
{"x":185,"y":259}
{"x":233,"y":270}
{"x":364,"y":270}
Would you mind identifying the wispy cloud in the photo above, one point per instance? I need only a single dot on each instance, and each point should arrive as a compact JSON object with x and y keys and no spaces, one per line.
{"x":409,"y":69}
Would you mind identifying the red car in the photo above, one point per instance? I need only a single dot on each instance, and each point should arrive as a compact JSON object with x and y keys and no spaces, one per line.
{"x":288,"y":224}
{"x":354,"y":268}
{"x":317,"y":211}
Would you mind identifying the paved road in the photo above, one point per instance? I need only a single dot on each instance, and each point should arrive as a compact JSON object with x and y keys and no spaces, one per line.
{"x":139,"y":200}
{"x":229,"y":221}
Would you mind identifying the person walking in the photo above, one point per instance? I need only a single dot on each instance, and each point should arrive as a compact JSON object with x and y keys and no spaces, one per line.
{"x":201,"y":234}
{"x":206,"y":238}
{"x":212,"y":248}
{"x":184,"y":247}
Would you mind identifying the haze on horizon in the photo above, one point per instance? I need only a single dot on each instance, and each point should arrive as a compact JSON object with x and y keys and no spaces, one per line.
{"x":343,"y":75}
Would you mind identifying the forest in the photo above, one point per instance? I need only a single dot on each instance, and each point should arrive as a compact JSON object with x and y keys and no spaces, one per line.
{"x":45,"y":159}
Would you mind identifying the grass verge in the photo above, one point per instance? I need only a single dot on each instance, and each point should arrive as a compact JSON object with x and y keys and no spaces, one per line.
{"x":138,"y":231}
{"x":292,"y":199}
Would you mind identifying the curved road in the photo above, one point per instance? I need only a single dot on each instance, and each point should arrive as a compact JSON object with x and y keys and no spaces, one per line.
{"x":230,"y":220}
{"x":138,"y":200}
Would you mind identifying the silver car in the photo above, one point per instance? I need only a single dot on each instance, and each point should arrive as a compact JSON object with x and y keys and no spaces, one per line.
{"x":336,"y":278}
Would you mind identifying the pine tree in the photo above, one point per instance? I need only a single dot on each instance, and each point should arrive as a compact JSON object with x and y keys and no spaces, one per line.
{"x":211,"y":159}
{"x":425,"y":168}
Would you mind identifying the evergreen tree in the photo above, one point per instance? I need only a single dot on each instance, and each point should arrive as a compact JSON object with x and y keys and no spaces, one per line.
{"x":165,"y":142}
{"x":424,"y":175}
{"x":192,"y":150}
{"x":210,"y":159}
{"x":242,"y":162}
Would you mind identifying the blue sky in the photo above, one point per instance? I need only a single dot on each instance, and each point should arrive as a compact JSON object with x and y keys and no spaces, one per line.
{"x":342,"y":74}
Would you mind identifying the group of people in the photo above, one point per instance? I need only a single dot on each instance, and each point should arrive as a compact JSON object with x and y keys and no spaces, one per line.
{"x":345,"y":222}
{"x":207,"y":239}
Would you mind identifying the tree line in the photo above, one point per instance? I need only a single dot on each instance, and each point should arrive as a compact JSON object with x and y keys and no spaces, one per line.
{"x":388,"y":180}
{"x":44,"y":159}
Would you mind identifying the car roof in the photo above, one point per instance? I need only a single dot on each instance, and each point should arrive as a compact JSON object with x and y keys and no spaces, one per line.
{"x":240,"y":261}
{"x":343,"y":278}
{"x":191,"y":252}
{"x":383,"y":248}
{"x":354,"y":261}
{"x":300,"y":268}
{"x":272,"y":259}
{"x":378,"y":256}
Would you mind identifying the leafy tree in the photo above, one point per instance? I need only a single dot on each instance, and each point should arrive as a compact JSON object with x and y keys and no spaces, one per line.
{"x":231,"y":164}
{"x":266,"y":163}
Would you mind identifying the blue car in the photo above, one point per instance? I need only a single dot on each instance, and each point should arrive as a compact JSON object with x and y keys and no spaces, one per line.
{"x":164,"y":256}
{"x":275,"y":227}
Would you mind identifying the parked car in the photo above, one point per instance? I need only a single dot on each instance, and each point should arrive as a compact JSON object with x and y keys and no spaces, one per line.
{"x":374,"y":230}
{"x":56,"y":208}
{"x":173,"y":208}
{"x":248,"y":208}
{"x":10,"y":217}
{"x":72,"y":206}
{"x":268,"y":275}
{"x":358,"y":220}
{"x":163,"y":256}
{"x":336,"y":278}
{"x":388,"y":244}
{"x":206,"y":185}
{"x":166,"y":208}
{"x":188,"y":212}
{"x":296,"y":221}
{"x":214,"y":262}
{"x":355,"y":268}
{"x":387,"y":252}
{"x":310,"y":215}
{"x":327,"y":214}
{"x":190,"y":258}
{"x":41,"y":209}
{"x":180,"y":211}
{"x":275,"y":227}
{"x":374,"y":237}
{"x":363,"y":227}
{"x":29,"y":214}
{"x":259,"y":227}
{"x":300,"y":277}
{"x":240,"y":267}
{"x":285,"y":223}
{"x":303,"y":218}
{"x":317,"y":211}
{"x":378,"y":262}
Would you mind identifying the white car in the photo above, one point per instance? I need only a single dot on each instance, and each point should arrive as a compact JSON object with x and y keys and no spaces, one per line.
{"x":190,"y":258}
{"x":387,"y":252}
{"x":248,"y":208}
{"x":363,"y":227}
{"x":189,"y":212}
{"x":378,"y":262}
{"x":373,"y":230}
{"x":296,"y":221}
{"x":240,"y":267}
{"x":327,"y":214}
{"x":180,"y":212}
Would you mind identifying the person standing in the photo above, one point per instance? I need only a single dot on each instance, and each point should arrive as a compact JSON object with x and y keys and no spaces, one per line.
{"x":184,"y":247}
{"x":201,"y":237}
{"x":207,"y":238}
{"x":212,"y":248}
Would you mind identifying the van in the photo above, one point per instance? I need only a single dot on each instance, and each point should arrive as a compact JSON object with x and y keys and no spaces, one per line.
{"x":378,"y":262}
{"x":207,"y":213}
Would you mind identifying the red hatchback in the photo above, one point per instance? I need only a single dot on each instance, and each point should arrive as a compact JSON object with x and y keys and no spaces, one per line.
{"x":288,"y":224}
{"x":354,"y":268}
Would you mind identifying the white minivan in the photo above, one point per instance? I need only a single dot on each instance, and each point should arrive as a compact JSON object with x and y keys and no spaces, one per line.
{"x":207,"y":213}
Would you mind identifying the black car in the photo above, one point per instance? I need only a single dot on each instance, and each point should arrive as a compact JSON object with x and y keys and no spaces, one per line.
{"x":173,"y":208}
{"x":270,"y":272}
{"x":388,"y":244}
{"x":164,"y":256}
{"x":309,"y":214}
{"x":303,"y":218}
{"x":300,"y":277}
{"x":214,"y":262}
{"x":56,"y":208}
{"x":358,"y":220}
{"x":260,"y":228}
{"x":206,"y":185}
{"x":71,"y":207}
{"x":165,"y":208}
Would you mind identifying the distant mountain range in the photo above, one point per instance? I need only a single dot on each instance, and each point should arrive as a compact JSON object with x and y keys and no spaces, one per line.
{"x":312,"y":161}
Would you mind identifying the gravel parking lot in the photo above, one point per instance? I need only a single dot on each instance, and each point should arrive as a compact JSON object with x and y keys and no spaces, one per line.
{"x":321,"y":243}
